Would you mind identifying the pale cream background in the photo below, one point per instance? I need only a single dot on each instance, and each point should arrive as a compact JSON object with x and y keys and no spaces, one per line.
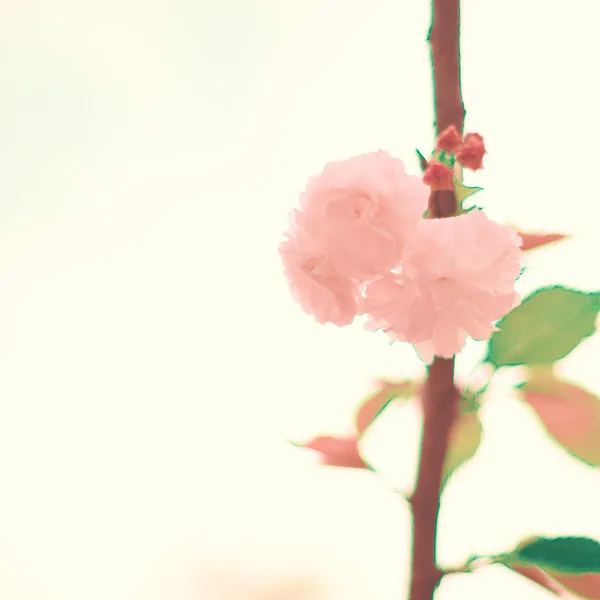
{"x":151,"y":359}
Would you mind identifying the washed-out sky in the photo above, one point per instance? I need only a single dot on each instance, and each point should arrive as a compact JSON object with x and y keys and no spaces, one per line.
{"x":152,"y":361}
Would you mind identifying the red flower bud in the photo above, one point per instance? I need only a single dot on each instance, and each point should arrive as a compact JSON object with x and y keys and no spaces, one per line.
{"x":438,"y":176}
{"x":471,"y":154}
{"x":449,"y":140}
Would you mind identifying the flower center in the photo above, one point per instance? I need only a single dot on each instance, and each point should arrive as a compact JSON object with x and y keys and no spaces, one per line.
{"x":348,"y":204}
{"x":361,"y":206}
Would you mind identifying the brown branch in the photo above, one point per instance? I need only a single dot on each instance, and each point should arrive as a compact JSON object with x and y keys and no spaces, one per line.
{"x":449,"y":108}
{"x":444,"y":39}
{"x":440,"y":396}
{"x":440,"y":410}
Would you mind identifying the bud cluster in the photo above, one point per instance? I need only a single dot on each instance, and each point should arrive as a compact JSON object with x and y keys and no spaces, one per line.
{"x":451,"y":147}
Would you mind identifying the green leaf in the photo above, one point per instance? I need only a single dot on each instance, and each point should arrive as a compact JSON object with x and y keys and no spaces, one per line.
{"x":462,"y":191}
{"x":544,"y":328}
{"x":466,"y":433}
{"x":561,"y":555}
{"x":422,"y":160}
{"x":465,"y":439}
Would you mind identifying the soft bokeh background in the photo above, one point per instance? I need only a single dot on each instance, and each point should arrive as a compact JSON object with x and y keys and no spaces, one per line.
{"x":152,"y":361}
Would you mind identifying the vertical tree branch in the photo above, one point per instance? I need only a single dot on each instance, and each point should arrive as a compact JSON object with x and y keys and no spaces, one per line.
{"x":445,"y":53}
{"x":449,"y":108}
{"x":440,"y":409}
{"x":440,"y":396}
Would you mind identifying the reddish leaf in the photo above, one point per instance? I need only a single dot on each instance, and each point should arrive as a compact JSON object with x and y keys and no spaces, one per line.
{"x":541,"y":578}
{"x":535,"y":240}
{"x":375,"y":403}
{"x":587,"y":585}
{"x":570,"y":414}
{"x":337,"y":451}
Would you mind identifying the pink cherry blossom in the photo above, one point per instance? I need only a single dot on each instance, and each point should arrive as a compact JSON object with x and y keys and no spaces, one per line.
{"x":458,"y":277}
{"x":359,"y":212}
{"x":315,"y":284}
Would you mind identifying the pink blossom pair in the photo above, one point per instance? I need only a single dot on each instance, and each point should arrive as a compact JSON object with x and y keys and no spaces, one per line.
{"x":359,"y":245}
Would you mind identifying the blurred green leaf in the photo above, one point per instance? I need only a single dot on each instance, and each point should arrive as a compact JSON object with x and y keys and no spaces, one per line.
{"x":544,"y":328}
{"x":571,"y":555}
{"x":465,"y":439}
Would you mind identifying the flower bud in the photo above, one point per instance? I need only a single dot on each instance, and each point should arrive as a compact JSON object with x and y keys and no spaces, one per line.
{"x":449,"y":140}
{"x":438,"y":176}
{"x":471,"y":153}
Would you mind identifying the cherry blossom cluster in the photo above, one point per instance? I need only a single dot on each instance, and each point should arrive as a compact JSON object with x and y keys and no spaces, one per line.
{"x":359,"y":245}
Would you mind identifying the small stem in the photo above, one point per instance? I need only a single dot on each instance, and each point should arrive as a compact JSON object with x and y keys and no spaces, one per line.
{"x":471,"y":565}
